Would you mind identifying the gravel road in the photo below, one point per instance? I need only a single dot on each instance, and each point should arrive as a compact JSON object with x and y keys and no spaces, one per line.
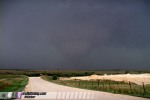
{"x":60,"y":92}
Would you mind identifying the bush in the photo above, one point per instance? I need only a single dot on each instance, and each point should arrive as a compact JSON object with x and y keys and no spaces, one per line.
{"x":54,"y":77}
{"x":127,"y":71}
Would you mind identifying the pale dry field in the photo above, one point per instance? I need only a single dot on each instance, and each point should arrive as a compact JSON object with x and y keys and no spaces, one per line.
{"x":135,"y":78}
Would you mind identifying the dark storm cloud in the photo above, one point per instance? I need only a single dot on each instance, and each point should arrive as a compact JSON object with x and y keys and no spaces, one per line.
{"x":75,"y":34}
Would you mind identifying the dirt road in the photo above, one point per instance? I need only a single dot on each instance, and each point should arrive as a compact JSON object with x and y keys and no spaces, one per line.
{"x":59,"y":92}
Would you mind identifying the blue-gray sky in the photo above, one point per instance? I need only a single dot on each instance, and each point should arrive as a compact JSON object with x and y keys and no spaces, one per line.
{"x":75,"y":34}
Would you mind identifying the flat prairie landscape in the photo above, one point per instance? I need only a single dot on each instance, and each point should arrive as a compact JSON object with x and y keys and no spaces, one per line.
{"x":134,"y":83}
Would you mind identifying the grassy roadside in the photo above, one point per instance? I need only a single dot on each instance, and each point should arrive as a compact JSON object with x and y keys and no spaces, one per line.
{"x":106,"y":86}
{"x":11,"y":83}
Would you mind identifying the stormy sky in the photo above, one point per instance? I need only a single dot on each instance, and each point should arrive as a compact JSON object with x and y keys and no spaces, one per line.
{"x":75,"y":34}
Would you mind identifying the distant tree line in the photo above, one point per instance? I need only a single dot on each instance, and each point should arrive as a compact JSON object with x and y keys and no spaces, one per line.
{"x":58,"y":74}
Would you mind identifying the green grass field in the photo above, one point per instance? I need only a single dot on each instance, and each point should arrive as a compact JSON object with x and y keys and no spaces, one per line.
{"x":10,"y":83}
{"x":106,"y":85}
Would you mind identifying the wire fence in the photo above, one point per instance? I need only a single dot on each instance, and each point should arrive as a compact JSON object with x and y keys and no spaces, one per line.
{"x":110,"y":86}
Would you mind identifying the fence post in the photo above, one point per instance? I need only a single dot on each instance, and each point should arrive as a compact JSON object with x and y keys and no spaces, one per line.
{"x":72,"y":82}
{"x":79,"y":82}
{"x":143,"y":88}
{"x":118,"y":87}
{"x":130,"y":86}
{"x":109,"y":87}
{"x":98,"y":83}
{"x":103,"y":86}
{"x":92,"y":83}
{"x":75,"y":82}
{"x":82,"y":83}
